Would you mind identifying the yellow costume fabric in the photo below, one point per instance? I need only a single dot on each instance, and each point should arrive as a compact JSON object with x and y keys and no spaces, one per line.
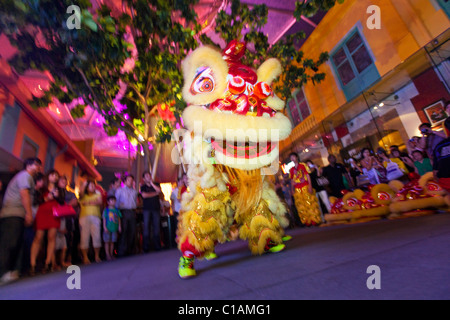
{"x":306,"y":203}
{"x":212,"y":212}
{"x":307,"y":207}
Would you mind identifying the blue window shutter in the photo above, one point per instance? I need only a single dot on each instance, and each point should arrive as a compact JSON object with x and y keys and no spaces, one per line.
{"x":353,"y":65}
{"x":50,"y":156}
{"x":8,"y":126}
{"x":445,"y":4}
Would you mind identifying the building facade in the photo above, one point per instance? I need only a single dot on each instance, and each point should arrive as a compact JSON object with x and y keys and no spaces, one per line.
{"x":26,"y":132}
{"x":388,"y":72}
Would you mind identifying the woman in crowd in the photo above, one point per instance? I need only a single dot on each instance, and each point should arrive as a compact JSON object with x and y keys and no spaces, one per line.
{"x":66,"y":232}
{"x":90,"y":220}
{"x":45,"y":222}
{"x":403,"y":157}
{"x":370,"y":166}
{"x":395,"y":168}
{"x":52,"y":179}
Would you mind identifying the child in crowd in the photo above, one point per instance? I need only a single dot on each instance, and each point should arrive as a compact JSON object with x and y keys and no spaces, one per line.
{"x":111,"y":226}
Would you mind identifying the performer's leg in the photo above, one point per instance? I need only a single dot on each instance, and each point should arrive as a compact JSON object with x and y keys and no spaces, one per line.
{"x":201,"y":227}
{"x":262,"y":230}
{"x":307,"y":207}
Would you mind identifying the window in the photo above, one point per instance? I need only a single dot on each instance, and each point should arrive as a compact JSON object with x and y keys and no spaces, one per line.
{"x":29,"y":148}
{"x":50,"y":156}
{"x":8,"y":126}
{"x":445,"y":4}
{"x":298,"y":107}
{"x":354,"y":66}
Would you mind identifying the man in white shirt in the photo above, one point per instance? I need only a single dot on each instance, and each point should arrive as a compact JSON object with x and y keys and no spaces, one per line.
{"x":16,"y":213}
{"x":126,"y":201}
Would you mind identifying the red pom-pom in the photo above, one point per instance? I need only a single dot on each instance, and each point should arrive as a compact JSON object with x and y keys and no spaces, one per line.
{"x":262,"y":90}
{"x":236,"y":85}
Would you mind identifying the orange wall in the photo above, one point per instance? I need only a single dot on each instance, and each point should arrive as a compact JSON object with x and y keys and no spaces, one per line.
{"x":27,"y":127}
{"x":406,"y":26}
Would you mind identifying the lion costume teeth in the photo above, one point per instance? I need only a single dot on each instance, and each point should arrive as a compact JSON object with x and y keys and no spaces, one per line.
{"x":233,"y":117}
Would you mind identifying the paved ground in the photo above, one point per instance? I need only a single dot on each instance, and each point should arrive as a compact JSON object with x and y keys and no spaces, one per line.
{"x":319,"y":263}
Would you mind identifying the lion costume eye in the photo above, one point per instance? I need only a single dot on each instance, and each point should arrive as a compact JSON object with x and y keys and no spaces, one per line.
{"x":203,"y":81}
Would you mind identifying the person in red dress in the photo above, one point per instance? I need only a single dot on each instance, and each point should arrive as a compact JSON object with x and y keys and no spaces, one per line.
{"x":45,"y":221}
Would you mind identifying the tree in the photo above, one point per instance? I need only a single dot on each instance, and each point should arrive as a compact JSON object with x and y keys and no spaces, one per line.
{"x":125,"y":65}
{"x":246,"y":24}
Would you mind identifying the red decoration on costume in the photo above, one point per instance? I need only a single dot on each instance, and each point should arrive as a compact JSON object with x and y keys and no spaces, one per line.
{"x":262,"y":90}
{"x":223,"y":105}
{"x":240,"y":70}
{"x":242,"y":105}
{"x":236,"y":85}
{"x":188,"y":250}
{"x":235,"y":50}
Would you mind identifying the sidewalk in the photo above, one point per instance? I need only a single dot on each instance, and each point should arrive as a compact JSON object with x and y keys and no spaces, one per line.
{"x":320,"y":263}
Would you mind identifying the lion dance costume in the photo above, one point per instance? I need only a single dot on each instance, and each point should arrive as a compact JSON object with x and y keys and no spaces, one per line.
{"x":306,"y":202}
{"x":233,"y":134}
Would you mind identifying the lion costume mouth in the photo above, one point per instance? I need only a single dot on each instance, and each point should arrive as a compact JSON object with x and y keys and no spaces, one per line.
{"x":243,"y":150}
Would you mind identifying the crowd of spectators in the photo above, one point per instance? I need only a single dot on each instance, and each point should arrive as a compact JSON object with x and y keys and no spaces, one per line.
{"x":126,"y":219}
{"x":371,"y":167}
{"x":122,"y":221}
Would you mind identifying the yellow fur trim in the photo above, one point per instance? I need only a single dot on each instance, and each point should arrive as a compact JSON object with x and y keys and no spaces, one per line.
{"x":206,"y":218}
{"x":269,"y":70}
{"x":357,"y":214}
{"x":204,"y":57}
{"x":259,"y":231}
{"x":447,"y":200}
{"x":359,"y":193}
{"x":425,"y":179}
{"x":396,"y":185}
{"x":423,"y":203}
{"x":382,"y":187}
{"x":349,"y":205}
{"x":275,"y":103}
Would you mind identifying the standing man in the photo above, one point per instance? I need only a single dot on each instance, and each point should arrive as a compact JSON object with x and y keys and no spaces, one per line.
{"x":430,"y":139}
{"x":16,"y":213}
{"x":126,"y":201}
{"x":441,"y":160}
{"x":150,"y":212}
{"x":335,"y":173}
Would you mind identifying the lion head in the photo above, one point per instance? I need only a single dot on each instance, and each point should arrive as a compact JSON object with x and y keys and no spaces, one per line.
{"x":234,"y":107}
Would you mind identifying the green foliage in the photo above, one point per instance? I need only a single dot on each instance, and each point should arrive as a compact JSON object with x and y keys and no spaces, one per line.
{"x":88,"y":62}
{"x":151,"y":38}
{"x":164,"y":131}
{"x":309,"y":8}
{"x":298,"y":70}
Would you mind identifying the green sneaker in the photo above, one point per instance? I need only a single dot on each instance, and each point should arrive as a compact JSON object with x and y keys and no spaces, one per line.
{"x":186,"y":268}
{"x":211,"y":256}
{"x":286,"y":238}
{"x":273,"y":248}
